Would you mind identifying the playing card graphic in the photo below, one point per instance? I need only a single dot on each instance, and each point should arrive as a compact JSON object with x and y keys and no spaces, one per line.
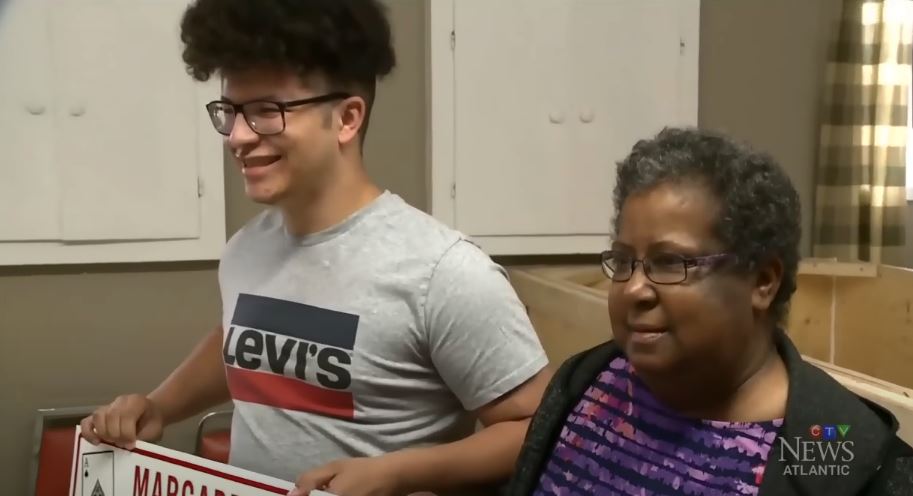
{"x":97,"y":491}
{"x":98,"y":474}
{"x":152,"y":470}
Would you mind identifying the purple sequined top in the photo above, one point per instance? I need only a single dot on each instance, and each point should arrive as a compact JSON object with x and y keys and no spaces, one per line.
{"x":620,"y":439}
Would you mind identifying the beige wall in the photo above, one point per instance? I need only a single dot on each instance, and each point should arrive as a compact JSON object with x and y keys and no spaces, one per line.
{"x":761,"y":73}
{"x":761,"y":69}
{"x":395,"y":147}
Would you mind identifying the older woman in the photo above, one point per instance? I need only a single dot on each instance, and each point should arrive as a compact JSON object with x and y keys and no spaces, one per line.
{"x":701,"y":392}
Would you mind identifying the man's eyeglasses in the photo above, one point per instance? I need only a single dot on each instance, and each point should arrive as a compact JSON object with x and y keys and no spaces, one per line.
{"x":264,"y":117}
{"x":661,"y":268}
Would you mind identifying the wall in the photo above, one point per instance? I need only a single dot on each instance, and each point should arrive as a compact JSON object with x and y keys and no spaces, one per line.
{"x":761,"y":75}
{"x":395,"y":147}
{"x":74,"y":336}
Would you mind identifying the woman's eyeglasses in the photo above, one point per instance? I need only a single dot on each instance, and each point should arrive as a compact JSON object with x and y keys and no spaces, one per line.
{"x":661,"y":268}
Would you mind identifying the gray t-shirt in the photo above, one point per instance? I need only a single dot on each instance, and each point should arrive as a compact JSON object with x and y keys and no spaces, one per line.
{"x":377,"y":334}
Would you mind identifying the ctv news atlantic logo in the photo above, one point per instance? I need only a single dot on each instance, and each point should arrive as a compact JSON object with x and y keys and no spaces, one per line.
{"x":826,"y":451}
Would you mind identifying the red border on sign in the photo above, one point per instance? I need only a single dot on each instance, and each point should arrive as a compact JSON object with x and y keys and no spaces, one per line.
{"x":76,"y":465}
{"x":185,"y":464}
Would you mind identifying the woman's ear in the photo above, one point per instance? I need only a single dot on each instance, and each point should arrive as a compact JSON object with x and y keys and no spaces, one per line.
{"x":767,"y":283}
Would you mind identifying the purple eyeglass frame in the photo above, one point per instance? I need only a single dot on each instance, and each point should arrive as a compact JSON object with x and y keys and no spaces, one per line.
{"x":688,"y":262}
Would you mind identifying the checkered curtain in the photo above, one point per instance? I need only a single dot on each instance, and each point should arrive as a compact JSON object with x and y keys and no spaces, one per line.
{"x":860,"y":199}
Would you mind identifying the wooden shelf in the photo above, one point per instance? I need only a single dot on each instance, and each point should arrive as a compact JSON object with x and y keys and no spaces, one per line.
{"x":830,"y":267}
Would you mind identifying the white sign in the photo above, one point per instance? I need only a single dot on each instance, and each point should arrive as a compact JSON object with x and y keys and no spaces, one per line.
{"x":151,"y":470}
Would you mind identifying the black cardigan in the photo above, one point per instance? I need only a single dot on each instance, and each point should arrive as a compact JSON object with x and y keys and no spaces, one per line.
{"x":882,"y":463}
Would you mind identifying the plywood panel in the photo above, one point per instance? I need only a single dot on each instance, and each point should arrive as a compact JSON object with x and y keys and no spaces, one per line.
{"x":874,"y":332}
{"x":831,"y":267}
{"x":809,"y":322}
{"x":585,"y":278}
{"x":897,"y":399}
{"x":566,"y":319}
{"x":559,"y":338}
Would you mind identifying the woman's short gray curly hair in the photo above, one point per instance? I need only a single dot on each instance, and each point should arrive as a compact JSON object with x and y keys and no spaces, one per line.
{"x":759,"y":207}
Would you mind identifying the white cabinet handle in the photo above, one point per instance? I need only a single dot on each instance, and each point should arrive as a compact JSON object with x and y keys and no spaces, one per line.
{"x":35,"y":108}
{"x":556,"y":117}
{"x":77,"y":110}
{"x":587,"y":116}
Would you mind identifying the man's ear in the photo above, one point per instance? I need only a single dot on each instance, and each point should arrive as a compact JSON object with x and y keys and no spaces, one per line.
{"x":351,"y":118}
{"x":767,"y":283}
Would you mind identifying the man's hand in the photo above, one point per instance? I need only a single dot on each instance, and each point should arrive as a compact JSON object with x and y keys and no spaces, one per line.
{"x":127,"y":419}
{"x":378,"y":476}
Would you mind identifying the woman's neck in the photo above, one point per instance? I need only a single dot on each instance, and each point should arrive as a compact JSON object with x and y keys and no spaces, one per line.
{"x":757,"y":389}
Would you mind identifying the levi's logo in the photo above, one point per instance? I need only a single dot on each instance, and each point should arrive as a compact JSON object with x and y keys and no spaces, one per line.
{"x":291,"y":356}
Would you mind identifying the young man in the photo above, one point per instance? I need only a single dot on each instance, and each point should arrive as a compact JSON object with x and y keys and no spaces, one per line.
{"x":360,"y":339}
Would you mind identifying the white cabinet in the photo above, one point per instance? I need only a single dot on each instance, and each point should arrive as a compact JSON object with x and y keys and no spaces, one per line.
{"x":534,"y":101}
{"x":107,"y":152}
{"x":28,"y":186}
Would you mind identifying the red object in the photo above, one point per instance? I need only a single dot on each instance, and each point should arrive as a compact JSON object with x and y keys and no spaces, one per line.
{"x":55,"y":461}
{"x":55,"y":458}
{"x":288,"y":393}
{"x":215,"y":445}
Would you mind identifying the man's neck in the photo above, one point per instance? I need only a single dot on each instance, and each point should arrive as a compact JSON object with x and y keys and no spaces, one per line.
{"x":322,"y":208}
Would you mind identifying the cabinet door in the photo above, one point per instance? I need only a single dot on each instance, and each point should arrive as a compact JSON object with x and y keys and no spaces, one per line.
{"x":513,"y":160}
{"x":129,"y":121}
{"x":28,"y":179}
{"x":631,"y":78}
{"x":549,"y":95}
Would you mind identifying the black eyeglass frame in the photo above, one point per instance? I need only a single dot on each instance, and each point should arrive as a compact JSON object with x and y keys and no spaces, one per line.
{"x":687,"y":263}
{"x":238,"y":109}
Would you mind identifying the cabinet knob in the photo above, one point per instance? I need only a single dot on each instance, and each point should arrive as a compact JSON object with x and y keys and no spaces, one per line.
{"x":587,"y":116}
{"x":77,"y":110}
{"x":556,"y":117}
{"x":35,"y":108}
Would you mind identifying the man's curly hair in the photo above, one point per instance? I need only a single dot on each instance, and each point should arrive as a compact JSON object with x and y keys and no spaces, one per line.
{"x":759,"y":207}
{"x":348,"y":42}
